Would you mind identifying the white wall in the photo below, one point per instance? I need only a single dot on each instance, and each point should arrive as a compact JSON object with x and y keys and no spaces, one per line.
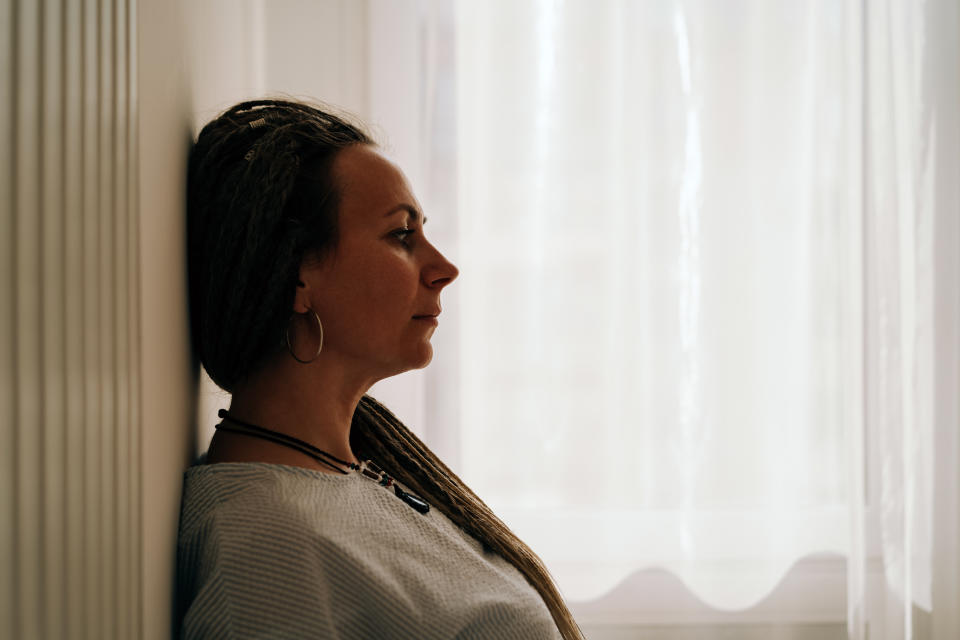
{"x":168,"y":378}
{"x":196,"y":58}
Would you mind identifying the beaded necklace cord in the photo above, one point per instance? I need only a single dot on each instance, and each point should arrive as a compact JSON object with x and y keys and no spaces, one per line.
{"x":366,"y":468}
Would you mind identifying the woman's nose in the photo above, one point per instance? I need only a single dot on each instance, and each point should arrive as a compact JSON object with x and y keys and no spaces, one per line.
{"x":440,"y":272}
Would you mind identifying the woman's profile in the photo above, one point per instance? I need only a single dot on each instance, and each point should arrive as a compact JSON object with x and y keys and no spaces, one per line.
{"x":315,"y":513}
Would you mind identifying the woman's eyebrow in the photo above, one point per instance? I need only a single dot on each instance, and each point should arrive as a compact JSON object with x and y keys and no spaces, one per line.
{"x":407,"y":208}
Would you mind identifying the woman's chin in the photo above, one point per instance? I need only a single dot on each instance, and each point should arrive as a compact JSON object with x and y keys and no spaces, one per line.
{"x":426,"y":356}
{"x":417,"y":360}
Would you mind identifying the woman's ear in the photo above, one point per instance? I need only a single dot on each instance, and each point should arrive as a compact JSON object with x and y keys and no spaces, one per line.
{"x":312,"y":278}
{"x":301,"y":300}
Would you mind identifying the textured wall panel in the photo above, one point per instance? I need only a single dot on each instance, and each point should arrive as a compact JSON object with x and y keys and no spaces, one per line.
{"x":69,"y":323}
{"x":8,"y":582}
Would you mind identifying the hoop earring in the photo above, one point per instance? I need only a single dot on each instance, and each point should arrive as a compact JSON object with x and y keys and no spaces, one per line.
{"x":290,"y":346}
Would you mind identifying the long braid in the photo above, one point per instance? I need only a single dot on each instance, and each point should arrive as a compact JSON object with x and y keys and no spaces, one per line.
{"x":379,"y":434}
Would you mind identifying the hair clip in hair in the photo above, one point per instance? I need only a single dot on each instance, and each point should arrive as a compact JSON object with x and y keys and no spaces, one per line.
{"x":259,"y":122}
{"x":249,"y":155}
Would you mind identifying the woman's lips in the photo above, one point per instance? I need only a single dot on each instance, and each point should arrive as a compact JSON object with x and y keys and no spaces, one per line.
{"x":431,"y":319}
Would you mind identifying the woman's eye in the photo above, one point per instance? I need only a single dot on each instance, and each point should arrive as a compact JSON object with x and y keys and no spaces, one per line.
{"x":401,"y":235}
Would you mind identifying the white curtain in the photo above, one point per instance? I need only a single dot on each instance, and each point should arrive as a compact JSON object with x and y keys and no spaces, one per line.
{"x":901,"y":123}
{"x":693,"y":325}
{"x":660,"y":216}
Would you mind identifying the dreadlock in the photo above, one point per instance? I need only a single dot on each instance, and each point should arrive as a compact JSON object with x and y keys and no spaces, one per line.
{"x":260,"y":198}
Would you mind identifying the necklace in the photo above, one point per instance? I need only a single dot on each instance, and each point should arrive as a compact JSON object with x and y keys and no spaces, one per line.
{"x":366,"y":468}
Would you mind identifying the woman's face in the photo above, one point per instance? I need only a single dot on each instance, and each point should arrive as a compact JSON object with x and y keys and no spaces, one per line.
{"x":377,"y":293}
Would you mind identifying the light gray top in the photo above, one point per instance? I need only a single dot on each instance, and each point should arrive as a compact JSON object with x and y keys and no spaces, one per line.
{"x":271,"y":551}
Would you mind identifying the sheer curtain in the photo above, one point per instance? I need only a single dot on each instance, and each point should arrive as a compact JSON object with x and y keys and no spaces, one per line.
{"x":660,"y":237}
{"x":902,"y":118}
{"x":693,"y":327}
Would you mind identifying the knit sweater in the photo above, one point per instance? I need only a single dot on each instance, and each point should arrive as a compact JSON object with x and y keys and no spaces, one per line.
{"x":271,"y":551}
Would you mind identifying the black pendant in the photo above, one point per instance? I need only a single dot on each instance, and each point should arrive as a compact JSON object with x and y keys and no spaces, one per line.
{"x":417,"y":503}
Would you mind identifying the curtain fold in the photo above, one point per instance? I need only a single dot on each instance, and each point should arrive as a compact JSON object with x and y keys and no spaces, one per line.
{"x":901,"y":120}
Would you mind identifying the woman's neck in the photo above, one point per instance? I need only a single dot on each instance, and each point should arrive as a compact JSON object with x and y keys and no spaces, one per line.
{"x":309,"y":402}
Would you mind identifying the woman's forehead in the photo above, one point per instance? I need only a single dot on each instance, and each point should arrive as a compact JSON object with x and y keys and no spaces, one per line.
{"x":371,"y":185}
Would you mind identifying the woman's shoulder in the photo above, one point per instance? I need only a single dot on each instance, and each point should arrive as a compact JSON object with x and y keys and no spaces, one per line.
{"x":248,"y":530}
{"x":232,"y":494}
{"x":254,"y":478}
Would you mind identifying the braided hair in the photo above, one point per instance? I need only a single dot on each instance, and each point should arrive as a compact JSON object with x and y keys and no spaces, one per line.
{"x":260,"y":198}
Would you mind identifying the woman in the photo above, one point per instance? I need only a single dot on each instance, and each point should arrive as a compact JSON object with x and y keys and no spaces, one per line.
{"x":316,"y":513}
